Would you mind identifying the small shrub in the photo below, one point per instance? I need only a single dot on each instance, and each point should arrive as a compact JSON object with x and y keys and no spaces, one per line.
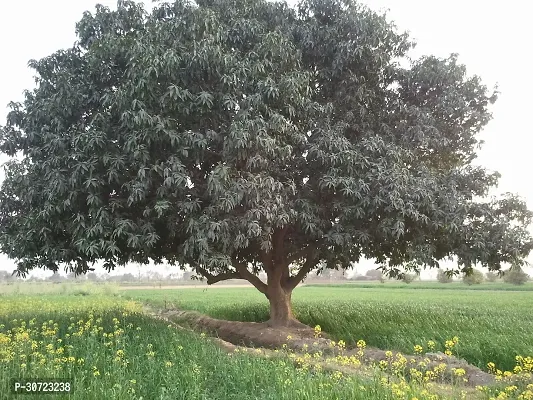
{"x":491,"y":277}
{"x":515,"y":276}
{"x":475,"y":278}
{"x":442,"y":277}
{"x":408,"y":278}
{"x":110,"y":289}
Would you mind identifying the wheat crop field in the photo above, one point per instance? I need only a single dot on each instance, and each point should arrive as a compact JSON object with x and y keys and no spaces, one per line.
{"x":106,"y":344}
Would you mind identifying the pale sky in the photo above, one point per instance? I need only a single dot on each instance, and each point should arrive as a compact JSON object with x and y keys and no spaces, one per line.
{"x":492,"y":39}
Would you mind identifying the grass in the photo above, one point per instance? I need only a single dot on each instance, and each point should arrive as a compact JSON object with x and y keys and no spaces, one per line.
{"x":493,"y":326}
{"x":110,"y":350}
{"x":500,"y":286}
{"x":66,"y":288}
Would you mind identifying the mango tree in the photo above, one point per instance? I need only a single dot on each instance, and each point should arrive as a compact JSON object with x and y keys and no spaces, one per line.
{"x":246,"y":136}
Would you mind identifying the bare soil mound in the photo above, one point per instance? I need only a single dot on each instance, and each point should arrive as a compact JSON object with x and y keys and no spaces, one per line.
{"x":260,"y":335}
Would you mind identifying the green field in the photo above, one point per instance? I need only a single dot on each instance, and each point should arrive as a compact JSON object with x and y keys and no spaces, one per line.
{"x":500,"y":286}
{"x":113,"y":351}
{"x":492,"y":325}
{"x":100,"y":338}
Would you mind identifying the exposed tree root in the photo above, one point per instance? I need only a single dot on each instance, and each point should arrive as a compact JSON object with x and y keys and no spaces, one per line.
{"x":293,"y":324}
{"x":300,"y":338}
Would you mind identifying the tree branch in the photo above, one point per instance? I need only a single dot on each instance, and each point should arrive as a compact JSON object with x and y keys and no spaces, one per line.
{"x":309,"y":264}
{"x":278,"y":239}
{"x":298,"y":255}
{"x":245,"y":274}
{"x":212,"y":279}
{"x":302,"y":252}
{"x":266,"y":260}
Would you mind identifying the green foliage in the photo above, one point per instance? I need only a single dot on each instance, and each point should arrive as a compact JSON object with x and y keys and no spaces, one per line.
{"x":150,"y":359}
{"x":516,"y":276}
{"x":408,"y":278}
{"x":473,"y":278}
{"x":231,"y":133}
{"x":491,"y":277}
{"x":443,"y":277}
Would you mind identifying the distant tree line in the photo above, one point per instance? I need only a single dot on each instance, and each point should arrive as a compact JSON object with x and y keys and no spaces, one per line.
{"x":514,"y":275}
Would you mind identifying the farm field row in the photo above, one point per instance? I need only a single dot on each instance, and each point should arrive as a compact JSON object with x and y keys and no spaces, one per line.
{"x":109,"y":349}
{"x":493,"y":326}
{"x":456,"y":285}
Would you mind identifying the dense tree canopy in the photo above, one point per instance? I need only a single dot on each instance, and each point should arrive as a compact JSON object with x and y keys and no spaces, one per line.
{"x":240,"y":136}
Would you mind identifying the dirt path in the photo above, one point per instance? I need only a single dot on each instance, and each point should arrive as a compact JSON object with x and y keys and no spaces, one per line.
{"x":254,"y":335}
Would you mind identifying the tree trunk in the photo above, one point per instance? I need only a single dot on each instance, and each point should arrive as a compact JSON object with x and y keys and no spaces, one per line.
{"x":281,"y":315}
{"x":280,"y":307}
